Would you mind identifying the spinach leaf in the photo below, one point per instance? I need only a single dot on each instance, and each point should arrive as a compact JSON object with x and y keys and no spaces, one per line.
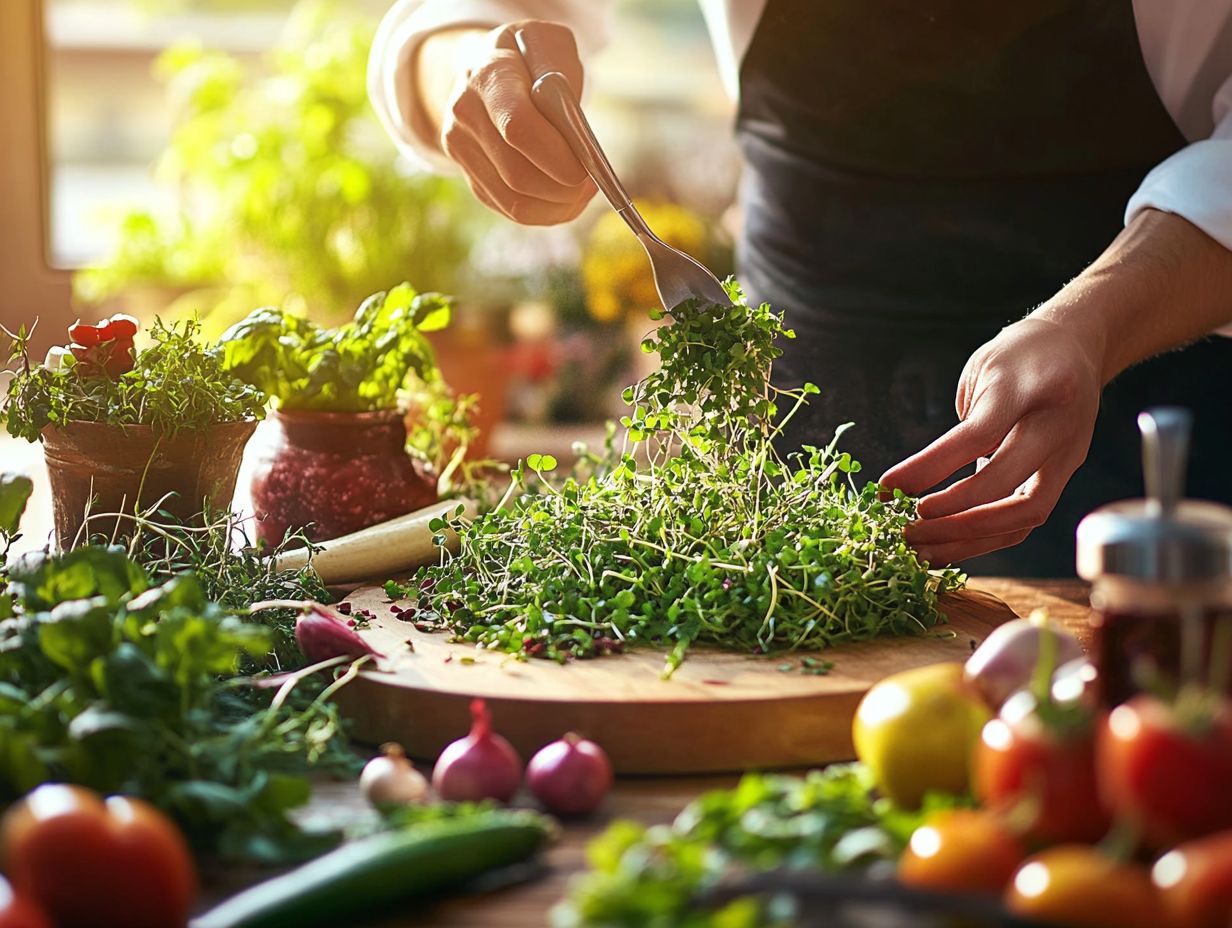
{"x":15,"y":490}
{"x":113,"y":680}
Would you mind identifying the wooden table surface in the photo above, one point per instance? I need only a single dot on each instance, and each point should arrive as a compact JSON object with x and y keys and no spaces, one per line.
{"x":650,"y":800}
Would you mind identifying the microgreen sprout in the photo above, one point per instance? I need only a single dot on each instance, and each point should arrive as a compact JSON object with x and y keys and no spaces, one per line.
{"x":691,"y":527}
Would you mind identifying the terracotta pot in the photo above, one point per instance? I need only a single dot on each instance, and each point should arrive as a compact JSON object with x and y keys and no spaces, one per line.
{"x":124,"y":468}
{"x":332,"y":473}
{"x":473,"y":360}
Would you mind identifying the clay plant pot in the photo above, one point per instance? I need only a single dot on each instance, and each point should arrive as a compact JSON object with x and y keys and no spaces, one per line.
{"x":332,"y":473}
{"x":128,"y":468}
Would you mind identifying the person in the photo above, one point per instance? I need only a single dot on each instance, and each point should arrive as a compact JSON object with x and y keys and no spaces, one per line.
{"x":918,"y":174}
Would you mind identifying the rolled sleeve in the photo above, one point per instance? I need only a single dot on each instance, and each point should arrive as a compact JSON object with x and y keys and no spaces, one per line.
{"x":1196,"y":182}
{"x":391,"y":85}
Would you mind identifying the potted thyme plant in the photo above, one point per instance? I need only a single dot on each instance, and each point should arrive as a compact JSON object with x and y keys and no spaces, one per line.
{"x":125,"y":431}
{"x":337,"y":459}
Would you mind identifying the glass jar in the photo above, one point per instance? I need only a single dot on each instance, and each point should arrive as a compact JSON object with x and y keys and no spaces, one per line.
{"x":1161,"y":575}
{"x":332,"y":473}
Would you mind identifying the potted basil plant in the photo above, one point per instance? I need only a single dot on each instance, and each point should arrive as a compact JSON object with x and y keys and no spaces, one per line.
{"x":126,"y":431}
{"x":336,"y":461}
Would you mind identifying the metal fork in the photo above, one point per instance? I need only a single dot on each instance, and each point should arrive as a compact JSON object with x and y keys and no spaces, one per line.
{"x":677,"y":277}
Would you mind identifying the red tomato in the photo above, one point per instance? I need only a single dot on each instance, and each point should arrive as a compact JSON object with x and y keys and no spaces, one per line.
{"x":961,"y":851}
{"x":82,"y":334}
{"x":1025,"y":770}
{"x":94,"y":864}
{"x":1076,"y":886}
{"x":16,"y":912}
{"x":1169,"y":777}
{"x":1195,"y":882}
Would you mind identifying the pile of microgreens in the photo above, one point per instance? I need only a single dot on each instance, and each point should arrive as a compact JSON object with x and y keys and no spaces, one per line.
{"x":692,"y":528}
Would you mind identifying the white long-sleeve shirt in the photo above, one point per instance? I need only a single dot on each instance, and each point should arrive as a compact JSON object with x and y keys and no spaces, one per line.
{"x":1186,"y":45}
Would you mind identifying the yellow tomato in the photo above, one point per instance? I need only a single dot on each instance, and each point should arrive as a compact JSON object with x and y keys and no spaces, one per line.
{"x":916,"y":731}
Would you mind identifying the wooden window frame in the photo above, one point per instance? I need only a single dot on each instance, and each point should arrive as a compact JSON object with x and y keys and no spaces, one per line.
{"x":30,"y":286}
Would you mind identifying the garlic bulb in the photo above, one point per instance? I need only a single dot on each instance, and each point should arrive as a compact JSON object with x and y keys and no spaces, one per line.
{"x":389,"y":779}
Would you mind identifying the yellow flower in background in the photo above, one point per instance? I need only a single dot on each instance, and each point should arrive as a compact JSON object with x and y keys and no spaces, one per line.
{"x":615,"y":273}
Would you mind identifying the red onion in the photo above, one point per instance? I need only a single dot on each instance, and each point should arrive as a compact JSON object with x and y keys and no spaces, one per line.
{"x":570,"y":776}
{"x":321,"y":635}
{"x":483,"y":765}
{"x":1007,"y":659}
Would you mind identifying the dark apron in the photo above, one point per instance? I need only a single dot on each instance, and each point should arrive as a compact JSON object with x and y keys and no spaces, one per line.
{"x":921,"y":173}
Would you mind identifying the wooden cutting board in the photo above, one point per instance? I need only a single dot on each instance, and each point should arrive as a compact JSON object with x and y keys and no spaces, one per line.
{"x":719,"y":712}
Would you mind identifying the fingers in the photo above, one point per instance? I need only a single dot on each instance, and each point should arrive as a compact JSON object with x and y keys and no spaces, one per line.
{"x":1024,"y":510}
{"x":517,"y":172}
{"x":964,"y":443}
{"x":504,"y":146}
{"x":993,"y":526}
{"x":490,"y":188}
{"x":954,"y":552}
{"x":1027,"y":446}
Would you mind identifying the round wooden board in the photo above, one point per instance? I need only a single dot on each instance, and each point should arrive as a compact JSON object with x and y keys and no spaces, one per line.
{"x":719,"y":712}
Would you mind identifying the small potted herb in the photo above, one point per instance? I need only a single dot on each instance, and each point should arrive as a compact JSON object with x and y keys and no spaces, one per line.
{"x":126,"y":430}
{"x":337,"y":460}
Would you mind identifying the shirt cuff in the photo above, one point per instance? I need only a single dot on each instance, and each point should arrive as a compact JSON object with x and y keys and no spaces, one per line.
{"x":390,"y":82}
{"x":1195,"y":184}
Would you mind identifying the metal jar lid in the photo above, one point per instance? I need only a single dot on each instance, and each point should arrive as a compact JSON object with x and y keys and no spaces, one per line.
{"x":1162,"y":538}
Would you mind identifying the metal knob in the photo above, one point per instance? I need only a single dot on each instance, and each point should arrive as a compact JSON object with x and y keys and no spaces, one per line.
{"x":1165,"y":453}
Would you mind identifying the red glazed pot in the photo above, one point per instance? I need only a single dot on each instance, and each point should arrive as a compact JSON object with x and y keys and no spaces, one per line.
{"x":333,"y":473}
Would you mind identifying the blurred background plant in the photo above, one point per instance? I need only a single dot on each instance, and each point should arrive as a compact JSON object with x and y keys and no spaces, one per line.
{"x":273,"y":183}
{"x":614,"y":277}
{"x":283,"y":187}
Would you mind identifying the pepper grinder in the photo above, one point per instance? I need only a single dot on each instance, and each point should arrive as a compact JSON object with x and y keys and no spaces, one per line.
{"x":1161,"y":573}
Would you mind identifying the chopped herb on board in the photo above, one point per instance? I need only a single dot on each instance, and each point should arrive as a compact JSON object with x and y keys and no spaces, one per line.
{"x":829,"y":820}
{"x":692,"y":527}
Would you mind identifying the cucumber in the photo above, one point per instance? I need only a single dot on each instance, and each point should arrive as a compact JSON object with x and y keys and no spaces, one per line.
{"x":369,"y":875}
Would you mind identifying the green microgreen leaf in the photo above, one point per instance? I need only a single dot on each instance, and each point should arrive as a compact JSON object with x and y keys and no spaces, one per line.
{"x":691,"y":527}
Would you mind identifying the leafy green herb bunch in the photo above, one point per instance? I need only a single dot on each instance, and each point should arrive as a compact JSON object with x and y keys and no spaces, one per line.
{"x":176,"y":382}
{"x":829,"y":821}
{"x":692,"y":527}
{"x":113,"y":680}
{"x":360,"y":366}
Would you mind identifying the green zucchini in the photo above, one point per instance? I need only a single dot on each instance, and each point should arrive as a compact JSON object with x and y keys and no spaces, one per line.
{"x":369,"y":875}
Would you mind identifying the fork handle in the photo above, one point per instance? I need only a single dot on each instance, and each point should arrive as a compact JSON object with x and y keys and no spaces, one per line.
{"x":554,"y":98}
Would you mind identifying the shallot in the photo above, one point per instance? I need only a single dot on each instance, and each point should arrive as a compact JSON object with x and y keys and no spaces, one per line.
{"x":570,"y":776}
{"x":321,"y":636}
{"x":390,"y":780}
{"x":1007,"y":660}
{"x":483,"y":765}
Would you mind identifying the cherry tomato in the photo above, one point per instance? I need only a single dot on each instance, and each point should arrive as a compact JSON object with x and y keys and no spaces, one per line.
{"x":82,"y":334}
{"x":1076,"y":886}
{"x":961,"y":851}
{"x":1168,"y":775}
{"x":16,"y":912}
{"x":91,"y":863}
{"x":1195,"y":882}
{"x":1047,"y":779}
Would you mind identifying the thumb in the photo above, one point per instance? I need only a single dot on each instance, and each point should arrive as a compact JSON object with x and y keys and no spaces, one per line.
{"x":545,"y":47}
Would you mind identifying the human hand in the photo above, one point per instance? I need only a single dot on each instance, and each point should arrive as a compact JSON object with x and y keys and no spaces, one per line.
{"x":1028,"y":401}
{"x":514,"y":160}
